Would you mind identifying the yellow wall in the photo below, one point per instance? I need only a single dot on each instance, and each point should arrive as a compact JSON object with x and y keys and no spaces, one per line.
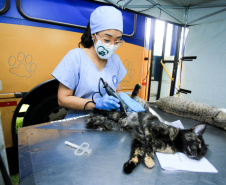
{"x":28,"y":55}
{"x":132,"y":58}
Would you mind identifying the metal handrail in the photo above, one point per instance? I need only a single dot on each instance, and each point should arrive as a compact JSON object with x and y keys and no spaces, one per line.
{"x":23,"y":14}
{"x":6,"y":7}
{"x":167,"y":71}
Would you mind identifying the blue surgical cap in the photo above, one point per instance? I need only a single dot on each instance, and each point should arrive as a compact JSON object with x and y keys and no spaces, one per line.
{"x":105,"y":18}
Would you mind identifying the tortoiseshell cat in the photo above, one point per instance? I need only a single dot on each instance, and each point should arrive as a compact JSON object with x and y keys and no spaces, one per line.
{"x":149,"y":134}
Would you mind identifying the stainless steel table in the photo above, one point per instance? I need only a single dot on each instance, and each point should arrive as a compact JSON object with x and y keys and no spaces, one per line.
{"x":44,"y":159}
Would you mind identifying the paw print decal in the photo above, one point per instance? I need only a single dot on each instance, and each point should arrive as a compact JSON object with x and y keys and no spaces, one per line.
{"x":130,"y":70}
{"x":22,"y":65}
{"x":102,"y":51}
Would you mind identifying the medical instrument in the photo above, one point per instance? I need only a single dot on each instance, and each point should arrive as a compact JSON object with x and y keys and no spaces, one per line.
{"x":111,"y":92}
{"x":80,"y":150}
{"x":123,"y":106}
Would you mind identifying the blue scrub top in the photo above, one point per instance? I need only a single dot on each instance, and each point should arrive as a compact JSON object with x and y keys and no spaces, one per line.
{"x":77,"y":72}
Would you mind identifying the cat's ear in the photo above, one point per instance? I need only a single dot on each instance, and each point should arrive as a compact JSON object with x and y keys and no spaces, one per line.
{"x":199,"y":129}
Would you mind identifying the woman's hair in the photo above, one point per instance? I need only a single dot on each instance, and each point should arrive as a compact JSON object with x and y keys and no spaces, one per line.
{"x":86,"y":39}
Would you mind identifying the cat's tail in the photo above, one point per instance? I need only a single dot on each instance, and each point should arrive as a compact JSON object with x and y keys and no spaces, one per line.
{"x":136,"y":90}
{"x":135,"y":93}
{"x":137,"y":98}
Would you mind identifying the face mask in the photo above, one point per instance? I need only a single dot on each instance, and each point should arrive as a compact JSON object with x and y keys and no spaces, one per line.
{"x":103,"y":51}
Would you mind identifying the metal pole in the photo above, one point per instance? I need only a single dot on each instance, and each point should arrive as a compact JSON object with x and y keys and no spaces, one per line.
{"x":166,"y":11}
{"x":139,"y":6}
{"x":179,"y":7}
{"x":163,"y":54}
{"x":112,"y":2}
{"x":207,"y":6}
{"x":206,"y":16}
{"x":152,"y":53}
{"x":123,"y":6}
{"x":176,"y":59}
{"x":153,"y":6}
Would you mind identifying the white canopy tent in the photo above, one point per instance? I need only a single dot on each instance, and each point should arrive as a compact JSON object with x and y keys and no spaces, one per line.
{"x":206,"y":20}
{"x":186,"y":12}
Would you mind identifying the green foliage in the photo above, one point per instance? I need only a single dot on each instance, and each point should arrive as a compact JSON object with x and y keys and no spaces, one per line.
{"x":15,"y":179}
{"x":19,"y":122}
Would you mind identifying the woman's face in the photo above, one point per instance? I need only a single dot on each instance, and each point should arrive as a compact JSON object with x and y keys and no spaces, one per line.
{"x":108,"y":36}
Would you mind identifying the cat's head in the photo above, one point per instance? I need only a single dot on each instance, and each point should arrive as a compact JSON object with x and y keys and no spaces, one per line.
{"x":191,"y":142}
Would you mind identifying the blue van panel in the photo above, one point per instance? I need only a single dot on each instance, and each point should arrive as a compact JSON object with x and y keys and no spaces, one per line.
{"x":138,"y":38}
{"x":2,"y":4}
{"x":72,"y":12}
{"x":67,"y":11}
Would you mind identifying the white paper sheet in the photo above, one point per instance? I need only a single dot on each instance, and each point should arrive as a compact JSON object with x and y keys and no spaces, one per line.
{"x":180,"y":161}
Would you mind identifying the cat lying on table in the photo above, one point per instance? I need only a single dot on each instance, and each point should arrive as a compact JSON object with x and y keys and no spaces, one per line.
{"x":149,"y":134}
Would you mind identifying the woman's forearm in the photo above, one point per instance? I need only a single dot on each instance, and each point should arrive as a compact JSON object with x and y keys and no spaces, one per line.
{"x":75,"y":103}
{"x":67,"y":100}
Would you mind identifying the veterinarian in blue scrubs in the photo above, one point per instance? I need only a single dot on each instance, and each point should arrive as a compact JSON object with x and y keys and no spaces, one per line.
{"x":80,"y":70}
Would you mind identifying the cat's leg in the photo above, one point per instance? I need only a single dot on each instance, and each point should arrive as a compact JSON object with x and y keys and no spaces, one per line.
{"x":149,"y":158}
{"x":136,"y":155}
{"x":136,"y":90}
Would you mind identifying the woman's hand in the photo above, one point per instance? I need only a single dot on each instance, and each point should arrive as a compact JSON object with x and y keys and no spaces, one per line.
{"x":107,"y":103}
{"x":133,"y":105}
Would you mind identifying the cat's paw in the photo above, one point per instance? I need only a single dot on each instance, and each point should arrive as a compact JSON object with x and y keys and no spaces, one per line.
{"x":128,"y":167}
{"x":149,"y":162}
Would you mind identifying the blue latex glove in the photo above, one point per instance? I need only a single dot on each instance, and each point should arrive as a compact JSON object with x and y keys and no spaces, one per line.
{"x":133,"y":105}
{"x":106,"y":103}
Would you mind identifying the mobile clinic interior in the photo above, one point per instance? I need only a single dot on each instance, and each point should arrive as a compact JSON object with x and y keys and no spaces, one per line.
{"x":173,"y":48}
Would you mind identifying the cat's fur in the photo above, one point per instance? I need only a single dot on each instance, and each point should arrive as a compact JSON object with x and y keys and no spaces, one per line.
{"x":150,"y":135}
{"x":193,"y":110}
